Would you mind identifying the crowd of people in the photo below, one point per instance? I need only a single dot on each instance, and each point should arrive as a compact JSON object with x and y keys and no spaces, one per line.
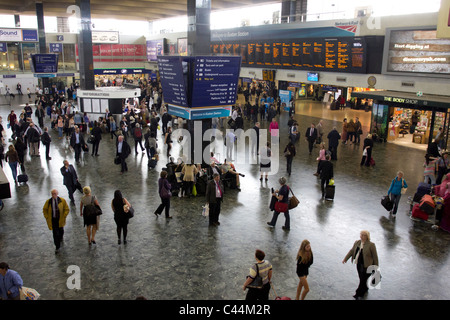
{"x":142,"y":122}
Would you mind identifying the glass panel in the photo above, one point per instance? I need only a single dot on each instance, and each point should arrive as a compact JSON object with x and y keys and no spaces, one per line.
{"x":69,"y":57}
{"x":4,"y":61}
{"x":27,"y":50}
{"x":13,"y":57}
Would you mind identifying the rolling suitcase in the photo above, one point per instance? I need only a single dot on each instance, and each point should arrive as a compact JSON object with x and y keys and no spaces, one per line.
{"x":427,"y":204}
{"x":22,"y":178}
{"x":329,"y":192}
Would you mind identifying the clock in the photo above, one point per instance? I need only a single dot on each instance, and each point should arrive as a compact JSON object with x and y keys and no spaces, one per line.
{"x":371,"y":81}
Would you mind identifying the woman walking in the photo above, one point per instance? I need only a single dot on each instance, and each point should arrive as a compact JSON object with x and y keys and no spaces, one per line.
{"x":304,"y":261}
{"x":282,"y":196}
{"x":321,"y":157}
{"x":90,"y":220}
{"x":12,"y":158}
{"x":168,"y":140}
{"x":165,"y":195}
{"x":363,"y":254}
{"x":395,"y":191}
{"x":263,"y":269}
{"x":121,"y":218}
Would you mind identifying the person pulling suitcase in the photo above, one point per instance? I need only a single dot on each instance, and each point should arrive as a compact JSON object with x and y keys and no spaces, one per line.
{"x":326,"y":173}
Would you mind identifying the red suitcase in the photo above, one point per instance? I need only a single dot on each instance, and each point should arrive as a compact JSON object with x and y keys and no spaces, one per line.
{"x":418,"y":213}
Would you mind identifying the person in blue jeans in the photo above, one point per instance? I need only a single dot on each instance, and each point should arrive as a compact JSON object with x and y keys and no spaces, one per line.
{"x":283,"y":196}
{"x":12,"y":157}
{"x":395,"y":191}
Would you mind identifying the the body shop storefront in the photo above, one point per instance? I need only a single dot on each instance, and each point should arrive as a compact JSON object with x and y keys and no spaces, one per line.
{"x":408,"y":118}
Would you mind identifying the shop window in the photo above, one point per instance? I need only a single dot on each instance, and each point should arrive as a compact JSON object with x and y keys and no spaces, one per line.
{"x":13,"y":57}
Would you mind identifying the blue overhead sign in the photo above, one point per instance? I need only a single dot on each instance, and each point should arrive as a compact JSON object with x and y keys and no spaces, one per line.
{"x":215,"y":81}
{"x":173,"y":71}
{"x":45,"y":63}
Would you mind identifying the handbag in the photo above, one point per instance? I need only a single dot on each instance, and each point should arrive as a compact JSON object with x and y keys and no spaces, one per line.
{"x":281,"y":206}
{"x":257,"y":283}
{"x":117,"y":160}
{"x":387,"y":203}
{"x":293,"y":201}
{"x":129,"y":210}
{"x":205,"y":210}
{"x":403,"y":191}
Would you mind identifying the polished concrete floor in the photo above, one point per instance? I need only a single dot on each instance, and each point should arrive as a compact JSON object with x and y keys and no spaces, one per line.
{"x":185,"y":259}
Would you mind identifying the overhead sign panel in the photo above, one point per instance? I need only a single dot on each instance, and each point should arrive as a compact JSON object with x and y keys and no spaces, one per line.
{"x":199,"y":87}
{"x":174,"y":72}
{"x":215,"y":81}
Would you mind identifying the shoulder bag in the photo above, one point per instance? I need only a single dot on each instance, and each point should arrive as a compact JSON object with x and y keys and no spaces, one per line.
{"x":293,"y":201}
{"x":257,"y":283}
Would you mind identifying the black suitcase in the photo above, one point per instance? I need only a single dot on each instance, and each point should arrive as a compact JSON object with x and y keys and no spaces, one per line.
{"x":22,"y":178}
{"x":329,"y":192}
{"x":152,"y":163}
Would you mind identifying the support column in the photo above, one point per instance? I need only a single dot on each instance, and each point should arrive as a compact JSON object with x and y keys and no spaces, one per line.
{"x":199,"y":40}
{"x":86,"y":59}
{"x":42,"y":44}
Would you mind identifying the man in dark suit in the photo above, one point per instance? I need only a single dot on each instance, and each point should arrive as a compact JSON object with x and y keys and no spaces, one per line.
{"x":77,"y":142}
{"x":70,"y":180}
{"x":311,"y":136}
{"x":123,"y":150}
{"x":214,"y":197}
{"x":333,"y":142}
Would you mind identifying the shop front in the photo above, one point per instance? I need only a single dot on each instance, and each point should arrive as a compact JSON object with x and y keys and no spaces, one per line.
{"x":407,"y":118}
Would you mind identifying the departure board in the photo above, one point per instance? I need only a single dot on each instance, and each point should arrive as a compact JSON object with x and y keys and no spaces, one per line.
{"x":345,"y":54}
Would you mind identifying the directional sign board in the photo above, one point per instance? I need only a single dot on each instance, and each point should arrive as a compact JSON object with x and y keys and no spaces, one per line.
{"x":199,"y":87}
{"x":215,"y":81}
{"x":173,"y":72}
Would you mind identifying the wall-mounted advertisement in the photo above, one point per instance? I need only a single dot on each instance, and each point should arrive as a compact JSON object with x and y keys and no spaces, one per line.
{"x":105,"y":36}
{"x":416,"y":51}
{"x":18,"y":35}
{"x":155,"y":48}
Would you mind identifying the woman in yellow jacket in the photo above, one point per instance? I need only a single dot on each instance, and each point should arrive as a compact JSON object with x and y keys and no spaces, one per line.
{"x":55,"y":212}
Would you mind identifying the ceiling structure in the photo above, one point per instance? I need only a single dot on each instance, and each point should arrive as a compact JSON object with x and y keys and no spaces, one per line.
{"x":146,"y":10}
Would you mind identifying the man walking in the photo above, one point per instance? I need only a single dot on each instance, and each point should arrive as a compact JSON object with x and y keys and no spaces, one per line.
{"x":77,"y":142}
{"x":311,"y":136}
{"x":55,"y":212}
{"x":70,"y":180}
{"x":123,"y":150}
{"x":333,"y":142}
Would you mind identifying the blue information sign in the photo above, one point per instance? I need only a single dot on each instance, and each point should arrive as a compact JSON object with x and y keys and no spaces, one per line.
{"x":174,"y":73}
{"x":45,"y":63}
{"x":215,"y":81}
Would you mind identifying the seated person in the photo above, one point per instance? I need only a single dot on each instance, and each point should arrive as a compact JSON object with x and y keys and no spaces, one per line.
{"x":229,"y":172}
{"x":212,"y":169}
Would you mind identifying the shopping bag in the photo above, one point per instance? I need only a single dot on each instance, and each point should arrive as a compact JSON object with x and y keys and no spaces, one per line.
{"x":205,"y":210}
{"x":29,"y":294}
{"x":194,"y":190}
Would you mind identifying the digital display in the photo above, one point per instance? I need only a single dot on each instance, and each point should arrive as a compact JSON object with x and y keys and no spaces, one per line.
{"x":312,"y":76}
{"x":344,"y":54}
{"x":414,"y":51}
{"x":45,"y":63}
